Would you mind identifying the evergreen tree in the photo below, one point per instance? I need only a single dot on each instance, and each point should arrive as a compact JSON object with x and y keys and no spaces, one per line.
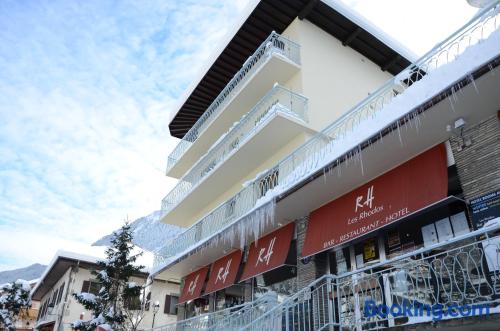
{"x":14,"y":300}
{"x":110,"y":306}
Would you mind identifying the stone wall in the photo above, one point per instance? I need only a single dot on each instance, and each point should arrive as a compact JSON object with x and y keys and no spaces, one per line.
{"x":478,"y":164}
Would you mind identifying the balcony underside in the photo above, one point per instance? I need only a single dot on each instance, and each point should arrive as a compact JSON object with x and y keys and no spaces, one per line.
{"x":270,"y":136}
{"x":473,"y":102}
{"x":275,"y":69}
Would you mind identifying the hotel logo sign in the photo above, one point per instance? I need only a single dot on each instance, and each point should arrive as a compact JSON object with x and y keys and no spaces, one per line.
{"x":368,"y":201}
{"x":265,"y":253}
{"x":401,"y":191}
{"x":192,"y":285}
{"x":223,"y":272}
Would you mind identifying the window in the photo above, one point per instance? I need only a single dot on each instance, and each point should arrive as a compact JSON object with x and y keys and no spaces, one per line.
{"x":44,"y":309}
{"x":61,"y":290}
{"x":40,"y":311}
{"x":171,"y":304}
{"x":91,"y":286}
{"x":133,"y":303}
{"x":54,"y":297}
{"x":148,"y":302}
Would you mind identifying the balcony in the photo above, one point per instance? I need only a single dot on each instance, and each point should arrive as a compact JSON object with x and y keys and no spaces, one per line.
{"x":431,"y":286}
{"x":380,"y":111}
{"x":274,"y":121}
{"x":276,"y":60}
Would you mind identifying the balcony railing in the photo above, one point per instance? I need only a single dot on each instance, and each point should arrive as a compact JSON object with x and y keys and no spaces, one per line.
{"x":322,"y":148}
{"x":277,"y":100}
{"x":445,"y":281}
{"x":226,"y":319}
{"x":274,"y":44}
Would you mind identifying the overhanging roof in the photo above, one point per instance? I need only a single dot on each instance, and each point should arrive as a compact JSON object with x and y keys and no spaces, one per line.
{"x":59,"y":265}
{"x":263,"y":17}
{"x":56,"y":269}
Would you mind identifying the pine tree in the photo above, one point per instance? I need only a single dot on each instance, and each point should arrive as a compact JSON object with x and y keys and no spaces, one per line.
{"x":110,"y":306}
{"x":14,"y":300}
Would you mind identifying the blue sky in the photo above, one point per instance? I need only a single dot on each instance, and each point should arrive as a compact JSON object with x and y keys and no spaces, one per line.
{"x":86,"y":88}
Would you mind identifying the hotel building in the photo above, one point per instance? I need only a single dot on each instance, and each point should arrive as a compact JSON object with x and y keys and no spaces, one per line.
{"x":323,"y":167}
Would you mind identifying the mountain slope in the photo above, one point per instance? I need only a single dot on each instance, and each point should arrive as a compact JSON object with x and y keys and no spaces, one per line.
{"x":33,"y":271}
{"x":149,"y":233}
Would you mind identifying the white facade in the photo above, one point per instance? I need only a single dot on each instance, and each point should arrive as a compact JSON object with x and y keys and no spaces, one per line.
{"x":316,"y":66}
{"x":75,"y":279}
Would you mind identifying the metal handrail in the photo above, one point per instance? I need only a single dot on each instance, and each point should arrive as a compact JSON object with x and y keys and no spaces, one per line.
{"x":311,"y":155}
{"x":243,"y":313}
{"x":328,"y":291}
{"x":274,"y":44}
{"x":278,"y":100}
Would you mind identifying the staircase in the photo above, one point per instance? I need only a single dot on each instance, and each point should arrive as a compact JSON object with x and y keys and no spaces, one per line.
{"x":232,"y":318}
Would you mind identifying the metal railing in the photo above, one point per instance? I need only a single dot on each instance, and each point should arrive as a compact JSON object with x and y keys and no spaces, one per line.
{"x":317,"y":151}
{"x":226,"y":319}
{"x":278,"y":100}
{"x":462,"y":272}
{"x":312,"y":155}
{"x":274,"y":44}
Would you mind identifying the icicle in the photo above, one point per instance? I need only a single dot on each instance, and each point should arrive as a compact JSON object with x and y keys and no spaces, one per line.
{"x":399,"y":134}
{"x":452,"y":106}
{"x":473,"y":81}
{"x":361,"y":161}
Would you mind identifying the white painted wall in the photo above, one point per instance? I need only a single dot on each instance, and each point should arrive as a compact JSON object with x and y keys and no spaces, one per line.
{"x":334,"y":77}
{"x":159,"y":290}
{"x":70,"y":310}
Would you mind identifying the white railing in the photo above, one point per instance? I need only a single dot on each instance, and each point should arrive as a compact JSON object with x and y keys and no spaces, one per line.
{"x":435,"y":282}
{"x":274,"y":44}
{"x":227,"y":319}
{"x":310,"y":156}
{"x":277,"y":100}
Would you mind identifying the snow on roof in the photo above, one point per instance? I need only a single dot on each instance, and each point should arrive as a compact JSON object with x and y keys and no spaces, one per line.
{"x":61,"y":254}
{"x":335,"y":4}
{"x":365,"y":24}
{"x":147,"y":259}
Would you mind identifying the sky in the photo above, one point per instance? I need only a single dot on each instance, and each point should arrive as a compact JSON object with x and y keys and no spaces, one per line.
{"x":86,"y":92}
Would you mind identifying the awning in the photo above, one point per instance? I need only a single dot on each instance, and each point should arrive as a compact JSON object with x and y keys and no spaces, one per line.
{"x":224,"y":271}
{"x":404,"y":190}
{"x":269,"y":252}
{"x":193,"y":284}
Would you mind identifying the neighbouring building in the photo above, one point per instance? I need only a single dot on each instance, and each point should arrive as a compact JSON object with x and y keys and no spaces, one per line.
{"x":322,"y":162}
{"x":70,"y":273}
{"x":27,"y":318}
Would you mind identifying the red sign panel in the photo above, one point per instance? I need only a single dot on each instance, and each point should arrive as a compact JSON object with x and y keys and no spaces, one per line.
{"x":399,"y":192}
{"x":193,"y":284}
{"x":269,"y":252}
{"x":223,"y":273}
